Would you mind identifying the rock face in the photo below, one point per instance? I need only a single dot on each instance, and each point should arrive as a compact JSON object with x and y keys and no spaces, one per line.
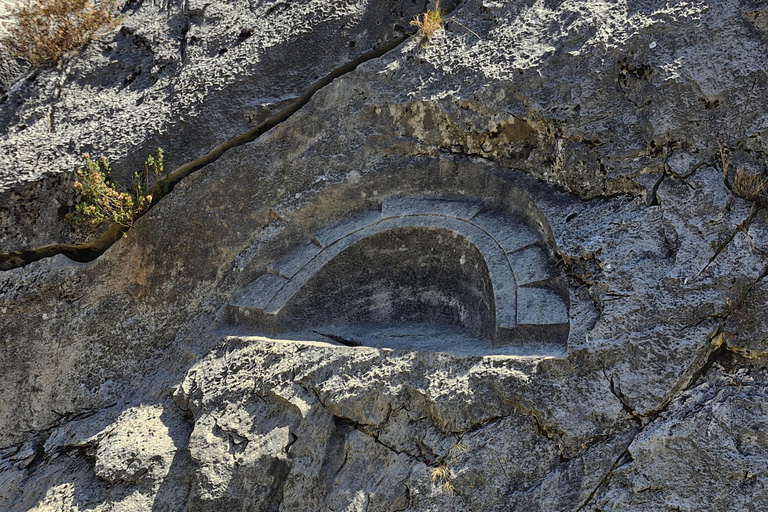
{"x":516,"y":267}
{"x":184,"y":76}
{"x":422,"y":260}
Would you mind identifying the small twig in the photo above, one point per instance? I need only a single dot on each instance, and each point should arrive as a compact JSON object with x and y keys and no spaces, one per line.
{"x":453,"y":19}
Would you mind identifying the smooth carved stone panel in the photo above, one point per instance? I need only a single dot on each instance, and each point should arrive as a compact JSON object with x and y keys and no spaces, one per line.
{"x":528,"y":301}
{"x":295,"y":260}
{"x":511,"y":235}
{"x":533,"y":264}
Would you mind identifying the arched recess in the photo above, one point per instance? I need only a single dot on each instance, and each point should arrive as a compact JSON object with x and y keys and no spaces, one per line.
{"x":399,"y":280}
{"x":530,"y":302}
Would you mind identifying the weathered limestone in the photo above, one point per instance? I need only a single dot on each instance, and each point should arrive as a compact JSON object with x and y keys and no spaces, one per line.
{"x":184,"y":76}
{"x":607,"y":126}
{"x":323,"y":430}
{"x":261,"y":303}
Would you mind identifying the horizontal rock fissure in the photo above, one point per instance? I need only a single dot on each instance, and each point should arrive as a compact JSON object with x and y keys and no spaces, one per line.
{"x":340,"y":339}
{"x":92,"y":250}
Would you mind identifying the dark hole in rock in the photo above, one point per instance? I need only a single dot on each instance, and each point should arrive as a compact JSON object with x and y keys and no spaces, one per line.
{"x":411,"y":275}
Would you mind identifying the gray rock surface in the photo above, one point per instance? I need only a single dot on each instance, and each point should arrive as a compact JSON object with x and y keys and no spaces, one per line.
{"x":419,"y":234}
{"x":184,"y":76}
{"x":706,"y":452}
{"x":128,"y":385}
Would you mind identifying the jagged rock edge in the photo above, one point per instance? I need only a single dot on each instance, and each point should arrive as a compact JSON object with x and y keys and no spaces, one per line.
{"x":715,"y":348}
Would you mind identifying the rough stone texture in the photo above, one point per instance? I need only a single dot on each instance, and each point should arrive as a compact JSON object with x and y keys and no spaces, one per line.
{"x":424,"y":259}
{"x":598,"y":122}
{"x":184,"y":76}
{"x":357,"y":439}
{"x":10,"y":68}
{"x":136,"y":446}
{"x":706,"y":452}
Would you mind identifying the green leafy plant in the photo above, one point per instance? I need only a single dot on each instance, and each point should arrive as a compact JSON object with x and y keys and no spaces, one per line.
{"x":101,"y":199}
{"x":44,"y":30}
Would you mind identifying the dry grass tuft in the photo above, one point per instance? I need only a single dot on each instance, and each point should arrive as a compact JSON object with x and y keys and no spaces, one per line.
{"x":752,"y":187}
{"x":429,"y":22}
{"x":44,"y":30}
{"x":101,"y":200}
{"x":441,"y":476}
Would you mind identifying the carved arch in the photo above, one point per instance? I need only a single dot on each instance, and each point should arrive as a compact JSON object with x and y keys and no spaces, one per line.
{"x":530,"y":301}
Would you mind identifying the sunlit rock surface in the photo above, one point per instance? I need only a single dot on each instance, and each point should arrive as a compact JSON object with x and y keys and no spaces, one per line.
{"x":603,"y":138}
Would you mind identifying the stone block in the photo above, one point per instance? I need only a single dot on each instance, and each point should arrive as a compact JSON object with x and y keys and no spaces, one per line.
{"x":414,"y":221}
{"x":540,"y":306}
{"x":510,"y":232}
{"x":288,"y":265}
{"x":532,"y":264}
{"x":460,"y":209}
{"x":327,"y":235}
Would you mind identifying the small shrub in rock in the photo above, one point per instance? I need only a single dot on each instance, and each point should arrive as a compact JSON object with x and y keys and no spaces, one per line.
{"x":432,"y":21}
{"x":101,"y":199}
{"x":44,"y":30}
{"x":441,"y":474}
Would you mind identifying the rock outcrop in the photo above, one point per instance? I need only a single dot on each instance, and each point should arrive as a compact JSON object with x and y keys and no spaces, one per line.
{"x":319,"y":319}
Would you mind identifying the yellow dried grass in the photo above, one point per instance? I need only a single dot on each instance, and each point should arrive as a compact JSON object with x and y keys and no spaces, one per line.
{"x":45,"y":30}
{"x":429,"y":22}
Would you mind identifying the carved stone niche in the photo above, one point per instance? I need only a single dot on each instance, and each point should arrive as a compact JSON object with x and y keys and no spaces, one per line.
{"x":446,"y":262}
